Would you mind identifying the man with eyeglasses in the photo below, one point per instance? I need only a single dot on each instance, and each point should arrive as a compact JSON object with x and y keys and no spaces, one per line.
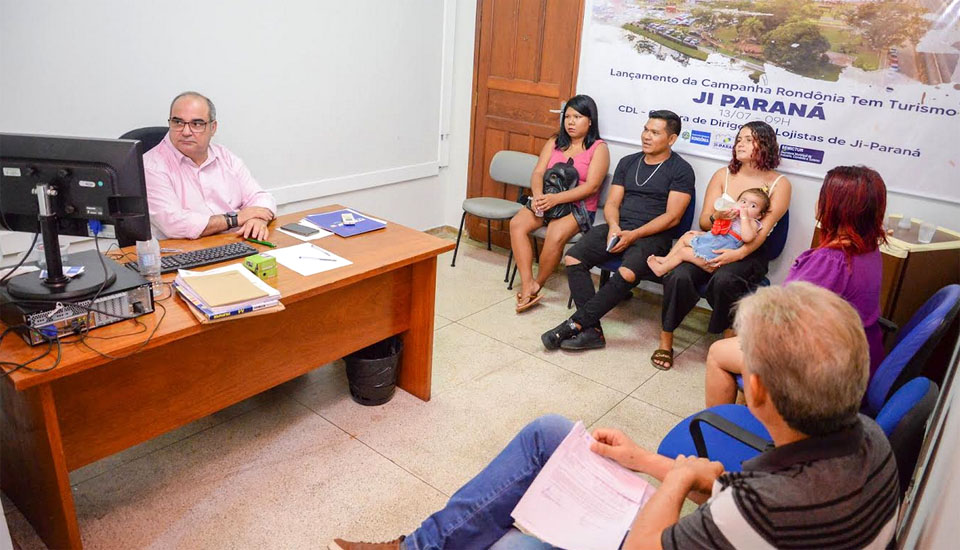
{"x":196,"y":189}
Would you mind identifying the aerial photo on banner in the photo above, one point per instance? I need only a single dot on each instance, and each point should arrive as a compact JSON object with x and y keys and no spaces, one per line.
{"x":872,"y":82}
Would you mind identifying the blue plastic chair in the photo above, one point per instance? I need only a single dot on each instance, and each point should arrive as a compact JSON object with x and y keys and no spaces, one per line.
{"x":730,"y":434}
{"x":913,"y":346}
{"x":915,"y":341}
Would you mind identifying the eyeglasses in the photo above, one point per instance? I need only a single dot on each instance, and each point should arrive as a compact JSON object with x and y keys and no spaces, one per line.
{"x":196,"y":125}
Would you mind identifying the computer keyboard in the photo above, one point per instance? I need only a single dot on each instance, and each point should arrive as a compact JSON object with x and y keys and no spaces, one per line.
{"x":204,"y":256}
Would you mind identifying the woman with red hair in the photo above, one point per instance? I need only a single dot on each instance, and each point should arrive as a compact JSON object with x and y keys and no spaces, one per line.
{"x":853,"y":200}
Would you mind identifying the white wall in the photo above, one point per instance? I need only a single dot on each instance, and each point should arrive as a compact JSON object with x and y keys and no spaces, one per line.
{"x":421,"y":202}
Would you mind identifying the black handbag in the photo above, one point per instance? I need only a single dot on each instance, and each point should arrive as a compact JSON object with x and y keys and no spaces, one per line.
{"x":560,"y":177}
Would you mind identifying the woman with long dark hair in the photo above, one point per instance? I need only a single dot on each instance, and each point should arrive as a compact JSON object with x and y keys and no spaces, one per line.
{"x":577,"y":139}
{"x":852,"y":204}
{"x":733,"y":273}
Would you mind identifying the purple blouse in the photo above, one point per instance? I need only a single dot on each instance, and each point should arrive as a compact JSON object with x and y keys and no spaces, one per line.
{"x":857,"y":282}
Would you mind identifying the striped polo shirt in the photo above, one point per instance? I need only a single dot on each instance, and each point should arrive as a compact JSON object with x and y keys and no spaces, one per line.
{"x":836,"y":491}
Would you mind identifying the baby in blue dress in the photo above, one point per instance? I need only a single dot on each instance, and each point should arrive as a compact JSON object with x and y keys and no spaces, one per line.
{"x":731,"y":229}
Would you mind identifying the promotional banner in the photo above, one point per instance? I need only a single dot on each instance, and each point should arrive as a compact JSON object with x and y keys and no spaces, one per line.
{"x":843,"y":82}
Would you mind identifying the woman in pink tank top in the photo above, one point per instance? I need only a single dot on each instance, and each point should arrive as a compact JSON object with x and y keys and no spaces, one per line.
{"x":577,"y":139}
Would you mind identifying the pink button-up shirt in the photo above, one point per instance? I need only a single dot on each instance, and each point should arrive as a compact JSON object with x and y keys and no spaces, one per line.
{"x":182,"y":196}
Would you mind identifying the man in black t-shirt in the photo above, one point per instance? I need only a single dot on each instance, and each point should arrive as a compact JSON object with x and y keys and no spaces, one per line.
{"x":649,"y":195}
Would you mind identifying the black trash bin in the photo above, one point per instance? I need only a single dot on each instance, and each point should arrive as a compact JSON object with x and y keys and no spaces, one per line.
{"x":372,"y":371}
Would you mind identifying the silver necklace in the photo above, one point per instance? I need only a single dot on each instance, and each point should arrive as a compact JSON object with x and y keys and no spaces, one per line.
{"x":636,"y":175}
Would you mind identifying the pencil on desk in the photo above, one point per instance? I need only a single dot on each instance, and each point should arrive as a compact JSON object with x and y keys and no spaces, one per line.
{"x":265,"y":243}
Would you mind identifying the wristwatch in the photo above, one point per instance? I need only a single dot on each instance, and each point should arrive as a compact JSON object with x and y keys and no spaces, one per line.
{"x":231,"y":218}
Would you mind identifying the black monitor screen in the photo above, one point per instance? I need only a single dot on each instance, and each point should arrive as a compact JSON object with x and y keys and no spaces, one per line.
{"x":92,"y":179}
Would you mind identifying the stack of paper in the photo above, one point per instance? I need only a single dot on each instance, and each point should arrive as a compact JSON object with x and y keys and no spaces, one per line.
{"x":226,"y":292}
{"x":581,"y":500}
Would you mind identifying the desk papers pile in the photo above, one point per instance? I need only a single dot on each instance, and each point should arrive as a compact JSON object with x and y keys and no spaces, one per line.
{"x":226,"y":292}
{"x":581,"y":500}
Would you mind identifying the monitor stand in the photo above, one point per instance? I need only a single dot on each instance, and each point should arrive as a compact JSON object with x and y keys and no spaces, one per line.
{"x":56,"y":286}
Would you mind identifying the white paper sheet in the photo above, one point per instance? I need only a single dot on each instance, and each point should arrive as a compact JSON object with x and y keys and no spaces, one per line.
{"x":581,"y":500}
{"x":321,"y":233}
{"x":307,"y":259}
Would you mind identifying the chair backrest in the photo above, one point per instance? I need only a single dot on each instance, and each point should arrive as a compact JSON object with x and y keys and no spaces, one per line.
{"x":604,"y":193}
{"x":150,"y":136}
{"x":916,"y":341}
{"x":778,"y":238}
{"x":513,"y":168}
{"x":686,"y":221}
{"x":904,"y":419}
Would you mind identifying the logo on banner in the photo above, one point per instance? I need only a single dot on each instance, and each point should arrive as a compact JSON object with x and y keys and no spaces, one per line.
{"x":722,"y":141}
{"x":803,"y":154}
{"x":700,"y":138}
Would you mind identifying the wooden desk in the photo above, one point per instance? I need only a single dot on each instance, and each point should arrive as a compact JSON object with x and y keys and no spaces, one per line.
{"x":90,"y":407}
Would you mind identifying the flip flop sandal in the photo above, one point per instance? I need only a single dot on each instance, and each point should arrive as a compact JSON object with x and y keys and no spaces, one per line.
{"x":665,"y":357}
{"x":531,"y":301}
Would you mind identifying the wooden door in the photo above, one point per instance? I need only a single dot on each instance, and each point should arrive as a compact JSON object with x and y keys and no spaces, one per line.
{"x":525,"y":66}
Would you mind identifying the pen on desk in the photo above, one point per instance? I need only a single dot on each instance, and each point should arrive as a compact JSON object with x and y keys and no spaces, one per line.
{"x":320,"y":250}
{"x":316,"y":258}
{"x":265,"y":243}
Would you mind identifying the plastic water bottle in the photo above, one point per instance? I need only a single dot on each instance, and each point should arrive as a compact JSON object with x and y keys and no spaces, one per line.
{"x":148,"y":259}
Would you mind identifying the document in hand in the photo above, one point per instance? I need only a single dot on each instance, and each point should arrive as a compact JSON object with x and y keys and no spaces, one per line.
{"x":581,"y":500}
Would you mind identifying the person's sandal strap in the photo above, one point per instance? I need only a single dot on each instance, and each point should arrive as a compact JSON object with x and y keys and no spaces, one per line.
{"x":531,"y":301}
{"x":665,"y":357}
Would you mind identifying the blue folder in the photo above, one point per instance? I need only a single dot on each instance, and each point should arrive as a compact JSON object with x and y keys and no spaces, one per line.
{"x":331,"y":221}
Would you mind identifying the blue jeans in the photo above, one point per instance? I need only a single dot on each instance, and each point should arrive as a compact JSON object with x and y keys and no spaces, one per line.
{"x":478,"y":515}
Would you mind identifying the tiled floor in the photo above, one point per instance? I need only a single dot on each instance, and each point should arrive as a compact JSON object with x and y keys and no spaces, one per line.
{"x":302,"y":463}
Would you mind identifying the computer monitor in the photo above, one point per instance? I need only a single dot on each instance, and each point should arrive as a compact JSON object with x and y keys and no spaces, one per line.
{"x":57,"y":186}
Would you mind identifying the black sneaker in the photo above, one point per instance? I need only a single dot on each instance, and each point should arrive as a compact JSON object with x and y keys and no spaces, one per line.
{"x":553,"y":337}
{"x":591,"y":338}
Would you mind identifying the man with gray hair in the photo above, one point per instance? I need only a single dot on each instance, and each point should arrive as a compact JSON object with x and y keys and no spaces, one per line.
{"x":830,"y":481}
{"x":195,"y":188}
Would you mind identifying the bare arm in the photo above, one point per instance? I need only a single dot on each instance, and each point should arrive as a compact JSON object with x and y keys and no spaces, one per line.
{"x":536,"y":178}
{"x":216,"y":224}
{"x":611,"y":209}
{"x":614,"y":444}
{"x":663,"y":509}
{"x":660,"y":512}
{"x":748,"y":228}
{"x":714,"y":189}
{"x":677,"y":203}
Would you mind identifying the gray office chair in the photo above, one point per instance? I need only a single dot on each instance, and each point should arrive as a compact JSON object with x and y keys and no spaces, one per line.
{"x":541,"y":232}
{"x":150,"y":136}
{"x":507,"y":167}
